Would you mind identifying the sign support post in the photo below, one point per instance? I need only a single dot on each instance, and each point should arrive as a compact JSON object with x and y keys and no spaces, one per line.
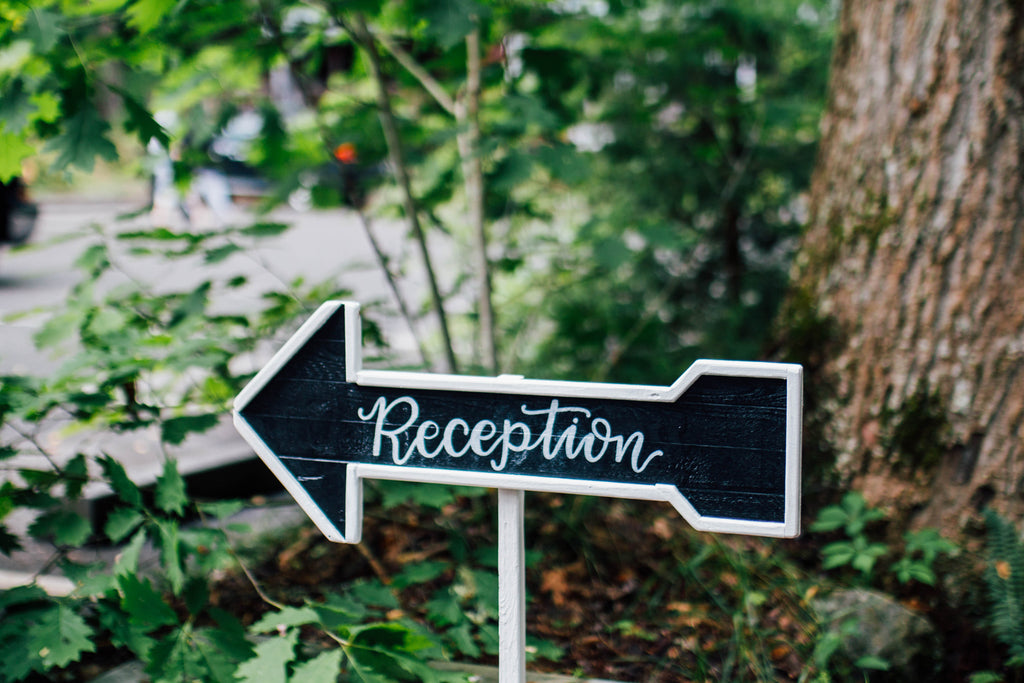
{"x":511,"y":587}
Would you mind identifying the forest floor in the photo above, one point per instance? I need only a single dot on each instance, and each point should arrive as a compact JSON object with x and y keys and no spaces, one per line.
{"x":617,"y":590}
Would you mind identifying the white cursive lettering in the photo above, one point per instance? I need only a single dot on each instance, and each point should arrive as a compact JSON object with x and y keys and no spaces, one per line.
{"x":484,"y":439}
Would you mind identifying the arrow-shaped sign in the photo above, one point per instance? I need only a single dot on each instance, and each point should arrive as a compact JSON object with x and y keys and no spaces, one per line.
{"x":721,"y":444}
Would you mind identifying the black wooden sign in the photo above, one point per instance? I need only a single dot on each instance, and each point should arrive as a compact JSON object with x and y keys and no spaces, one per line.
{"x":722,"y":443}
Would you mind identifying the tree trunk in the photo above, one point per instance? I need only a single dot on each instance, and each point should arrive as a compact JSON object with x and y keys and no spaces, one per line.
{"x":467,"y":113}
{"x":913,"y":261}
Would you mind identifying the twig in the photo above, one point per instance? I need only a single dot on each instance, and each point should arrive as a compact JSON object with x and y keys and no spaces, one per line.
{"x":383,"y":576}
{"x":361,"y":34}
{"x":429,"y":83}
{"x":392,"y":284}
{"x":241,"y":564}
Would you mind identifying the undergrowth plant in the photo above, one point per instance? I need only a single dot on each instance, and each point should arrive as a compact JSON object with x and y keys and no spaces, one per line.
{"x":164,"y":361}
{"x":1004,"y":581}
{"x":853,"y":517}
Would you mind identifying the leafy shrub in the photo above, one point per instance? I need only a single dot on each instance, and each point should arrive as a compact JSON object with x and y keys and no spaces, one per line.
{"x":142,"y":359}
{"x":853,"y":517}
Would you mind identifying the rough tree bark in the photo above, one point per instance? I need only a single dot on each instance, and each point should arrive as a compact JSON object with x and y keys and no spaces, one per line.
{"x":913,"y":262}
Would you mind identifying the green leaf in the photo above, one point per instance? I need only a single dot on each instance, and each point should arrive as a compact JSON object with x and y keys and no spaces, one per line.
{"x":170,"y":489}
{"x":230,"y":635}
{"x":93,"y":259}
{"x":872,"y":662}
{"x":21,"y":649}
{"x":174,"y":658}
{"x":221,"y":509}
{"x":141,"y":121}
{"x":9,"y":543}
{"x":83,"y":139}
{"x":22,"y":595}
{"x":128,"y":560}
{"x":64,"y":527}
{"x":420,"y":572}
{"x":218,"y":254}
{"x":429,"y":495}
{"x":449,"y":22}
{"x":444,"y":608}
{"x":14,"y":149}
{"x":76,"y":475}
{"x":55,"y":330}
{"x":340,"y":611}
{"x":175,"y":429}
{"x":106,"y":322}
{"x":124,"y":487}
{"x":196,"y":594}
{"x":89,"y":579}
{"x":42,"y":27}
{"x":986,"y":677}
{"x":830,"y":519}
{"x":194,"y":305}
{"x":271,"y":661}
{"x":145,"y":606}
{"x":375,"y":594}
{"x":16,"y":108}
{"x":170,"y":554}
{"x":63,"y":636}
{"x":220,"y":652}
{"x":837,"y":554}
{"x":264,"y":229}
{"x":47,"y":106}
{"x":145,"y":15}
{"x":462,"y":636}
{"x":286,"y":617}
{"x":324,"y":668}
{"x":122,"y":522}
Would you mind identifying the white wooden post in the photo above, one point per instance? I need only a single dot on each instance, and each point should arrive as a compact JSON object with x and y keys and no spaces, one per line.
{"x":511,"y":587}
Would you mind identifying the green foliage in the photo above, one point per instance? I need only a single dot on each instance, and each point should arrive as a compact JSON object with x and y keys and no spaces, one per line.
{"x":642,"y":163}
{"x":922,"y":548}
{"x":1004,"y":579}
{"x":853,"y":517}
{"x":691,"y":190}
{"x":369,"y":645}
{"x":133,"y":359}
{"x":38,"y":633}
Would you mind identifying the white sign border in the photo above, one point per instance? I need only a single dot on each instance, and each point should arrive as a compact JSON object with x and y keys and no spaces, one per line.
{"x":516,"y":385}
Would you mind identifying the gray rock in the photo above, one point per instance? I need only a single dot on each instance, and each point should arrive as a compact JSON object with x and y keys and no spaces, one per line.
{"x":872,"y":624}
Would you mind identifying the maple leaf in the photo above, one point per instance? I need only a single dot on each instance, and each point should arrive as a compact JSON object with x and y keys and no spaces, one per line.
{"x":64,"y":634}
{"x":13,"y":150}
{"x":84,"y":138}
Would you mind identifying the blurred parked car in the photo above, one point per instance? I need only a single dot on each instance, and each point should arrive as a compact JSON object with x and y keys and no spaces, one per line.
{"x":17,"y":214}
{"x":222,"y":176}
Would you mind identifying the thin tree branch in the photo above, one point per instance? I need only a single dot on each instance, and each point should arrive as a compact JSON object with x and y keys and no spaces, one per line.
{"x":429,"y":83}
{"x":392,"y":284}
{"x":362,"y":36}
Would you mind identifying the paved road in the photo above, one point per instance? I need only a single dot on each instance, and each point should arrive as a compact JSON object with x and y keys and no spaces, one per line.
{"x":321,"y":244}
